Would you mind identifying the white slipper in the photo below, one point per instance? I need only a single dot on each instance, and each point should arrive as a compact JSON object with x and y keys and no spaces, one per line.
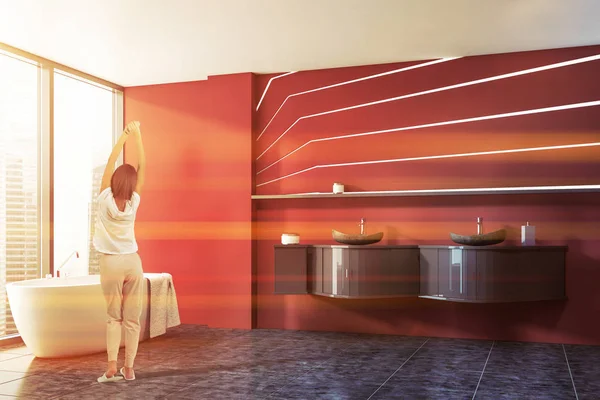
{"x":114,"y":378}
{"x":123,"y":373}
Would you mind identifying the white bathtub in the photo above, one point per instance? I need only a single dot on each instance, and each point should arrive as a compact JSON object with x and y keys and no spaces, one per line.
{"x":64,"y":317}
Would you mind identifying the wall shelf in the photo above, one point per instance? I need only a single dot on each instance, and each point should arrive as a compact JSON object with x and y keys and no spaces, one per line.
{"x":436,"y":192}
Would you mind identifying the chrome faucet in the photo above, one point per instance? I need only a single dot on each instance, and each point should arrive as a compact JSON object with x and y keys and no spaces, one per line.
{"x":362,"y":226}
{"x":56,"y":270}
{"x":480,"y":225}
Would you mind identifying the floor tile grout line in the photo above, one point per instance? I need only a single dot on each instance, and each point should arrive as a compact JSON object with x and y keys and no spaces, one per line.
{"x":398,"y":369}
{"x":12,"y":380}
{"x":355,"y":345}
{"x":570,"y":373}
{"x":312,"y":368}
{"x":483,"y":370}
{"x":197,"y":381}
{"x":20,"y":372}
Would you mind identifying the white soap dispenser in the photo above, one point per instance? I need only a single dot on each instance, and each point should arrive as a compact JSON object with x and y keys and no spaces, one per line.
{"x":528,"y":235}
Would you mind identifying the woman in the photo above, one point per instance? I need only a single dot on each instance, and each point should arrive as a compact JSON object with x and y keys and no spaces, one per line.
{"x":121,"y":274}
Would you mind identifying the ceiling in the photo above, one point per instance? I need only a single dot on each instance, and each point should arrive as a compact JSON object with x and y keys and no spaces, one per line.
{"x":141,"y":42}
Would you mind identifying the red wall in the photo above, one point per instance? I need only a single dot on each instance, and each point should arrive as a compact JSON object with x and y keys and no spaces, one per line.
{"x":195,"y":216}
{"x":577,"y":83}
{"x":572,"y":219}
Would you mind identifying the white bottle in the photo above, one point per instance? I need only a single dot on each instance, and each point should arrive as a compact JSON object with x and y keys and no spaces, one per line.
{"x":528,"y":235}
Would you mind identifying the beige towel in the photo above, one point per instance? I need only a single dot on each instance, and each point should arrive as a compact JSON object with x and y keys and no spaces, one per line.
{"x":164,"y":312}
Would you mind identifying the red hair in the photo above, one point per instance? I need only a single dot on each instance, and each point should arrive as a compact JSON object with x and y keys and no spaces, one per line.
{"x":123,"y":182}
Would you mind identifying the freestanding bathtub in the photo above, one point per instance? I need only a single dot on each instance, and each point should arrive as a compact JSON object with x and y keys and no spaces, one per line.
{"x":64,"y":317}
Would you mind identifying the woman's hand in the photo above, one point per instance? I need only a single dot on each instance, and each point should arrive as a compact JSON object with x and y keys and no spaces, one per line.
{"x":132,"y":128}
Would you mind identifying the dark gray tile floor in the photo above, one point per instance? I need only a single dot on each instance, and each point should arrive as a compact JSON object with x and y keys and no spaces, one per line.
{"x":195,"y":362}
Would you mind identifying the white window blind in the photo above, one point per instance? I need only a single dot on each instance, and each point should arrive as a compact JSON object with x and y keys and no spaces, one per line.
{"x":19,"y":211}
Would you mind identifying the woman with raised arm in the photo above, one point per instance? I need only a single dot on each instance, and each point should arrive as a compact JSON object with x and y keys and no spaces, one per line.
{"x":121,"y":274}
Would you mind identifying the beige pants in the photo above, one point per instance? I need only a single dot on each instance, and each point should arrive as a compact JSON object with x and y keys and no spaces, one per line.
{"x":121,"y":277}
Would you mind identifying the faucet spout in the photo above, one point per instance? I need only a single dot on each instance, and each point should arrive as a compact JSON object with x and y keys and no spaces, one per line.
{"x":56,"y":270}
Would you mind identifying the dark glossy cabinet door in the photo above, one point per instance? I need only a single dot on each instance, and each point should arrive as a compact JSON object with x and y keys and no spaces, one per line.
{"x":315,"y":271}
{"x":549,"y":271}
{"x":493,"y":275}
{"x":384,"y":272}
{"x":336,"y":271}
{"x":369,"y":269}
{"x":291,"y":270}
{"x":404,"y":272}
{"x":364,"y":272}
{"x":429,"y":273}
{"x":521,"y":276}
{"x":457,"y":273}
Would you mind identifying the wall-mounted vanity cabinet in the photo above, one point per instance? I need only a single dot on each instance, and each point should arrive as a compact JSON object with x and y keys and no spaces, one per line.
{"x":493,"y":273}
{"x":365,"y":272}
{"x":291,"y":269}
{"x":347,"y":271}
{"x":452,"y":273}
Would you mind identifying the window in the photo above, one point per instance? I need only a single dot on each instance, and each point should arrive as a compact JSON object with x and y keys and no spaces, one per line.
{"x":86,"y":116}
{"x":83,"y":138}
{"x":19,"y":211}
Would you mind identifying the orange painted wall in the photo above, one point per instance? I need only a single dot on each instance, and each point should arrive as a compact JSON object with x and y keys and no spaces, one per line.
{"x":194,"y":219}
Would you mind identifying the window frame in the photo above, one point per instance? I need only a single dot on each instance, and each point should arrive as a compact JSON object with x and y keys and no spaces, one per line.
{"x":45,"y":141}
